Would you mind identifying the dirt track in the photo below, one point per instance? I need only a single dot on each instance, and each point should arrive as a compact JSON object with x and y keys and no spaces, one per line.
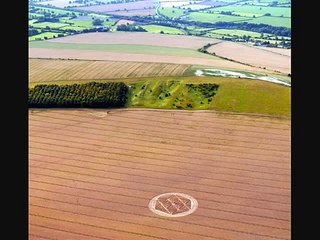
{"x":93,"y":173}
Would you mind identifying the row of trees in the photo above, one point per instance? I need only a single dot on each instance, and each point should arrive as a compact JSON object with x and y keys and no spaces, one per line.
{"x":93,"y":94}
{"x":204,"y":49}
{"x":261,"y":28}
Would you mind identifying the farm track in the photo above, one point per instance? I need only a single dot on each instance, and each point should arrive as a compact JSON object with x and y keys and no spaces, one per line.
{"x":92,"y":174}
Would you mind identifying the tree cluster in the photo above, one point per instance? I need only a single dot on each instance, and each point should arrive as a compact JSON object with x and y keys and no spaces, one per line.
{"x":130,"y":28}
{"x":206,"y":89}
{"x":32,"y":32}
{"x":93,"y":95}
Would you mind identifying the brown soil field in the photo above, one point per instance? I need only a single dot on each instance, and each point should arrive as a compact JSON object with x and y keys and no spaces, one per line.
{"x":136,"y":57}
{"x":92,"y":174}
{"x":141,"y":38}
{"x":43,"y":70}
{"x":137,"y":5}
{"x":253,"y":56}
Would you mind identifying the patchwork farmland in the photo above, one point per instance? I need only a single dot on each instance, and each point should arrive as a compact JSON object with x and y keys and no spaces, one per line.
{"x":145,"y":47}
{"x":146,"y":7}
{"x":271,"y":20}
{"x":92,"y":174}
{"x":203,"y":98}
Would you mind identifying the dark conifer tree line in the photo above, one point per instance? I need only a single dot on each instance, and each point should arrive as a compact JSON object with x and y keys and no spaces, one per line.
{"x":92,"y":95}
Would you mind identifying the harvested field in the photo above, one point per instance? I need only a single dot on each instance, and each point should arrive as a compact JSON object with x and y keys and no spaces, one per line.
{"x":253,"y":56}
{"x":135,"y":12}
{"x":137,"y":38}
{"x":46,"y":70}
{"x":281,"y":51}
{"x":138,"y":5}
{"x":92,"y":174}
{"x":163,"y":48}
{"x":135,"y":57}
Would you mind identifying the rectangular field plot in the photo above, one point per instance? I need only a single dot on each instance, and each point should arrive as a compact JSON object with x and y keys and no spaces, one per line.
{"x":92,"y":174}
{"x":158,"y":29}
{"x":213,"y":17}
{"x":44,"y":70}
{"x":43,"y":36}
{"x":49,"y":24}
{"x":255,"y":10}
{"x":273,"y":21}
{"x":146,"y":4}
{"x":171,"y":12}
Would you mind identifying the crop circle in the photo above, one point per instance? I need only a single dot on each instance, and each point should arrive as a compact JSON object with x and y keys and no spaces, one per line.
{"x":173,"y":204}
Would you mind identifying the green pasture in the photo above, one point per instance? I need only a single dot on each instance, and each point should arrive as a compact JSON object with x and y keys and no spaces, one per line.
{"x":158,"y":29}
{"x":213,"y":18}
{"x":171,"y":12}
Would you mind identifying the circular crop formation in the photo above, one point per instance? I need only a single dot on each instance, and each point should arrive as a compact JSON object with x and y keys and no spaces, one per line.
{"x":173,"y":204}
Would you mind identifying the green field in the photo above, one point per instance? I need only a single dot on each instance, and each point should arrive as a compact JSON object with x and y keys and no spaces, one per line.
{"x":48,"y":24}
{"x":233,"y":94}
{"x":34,"y":15}
{"x":101,"y":16}
{"x":213,"y":18}
{"x":31,"y":22}
{"x":76,"y":28}
{"x":195,"y":6}
{"x":81,"y":23}
{"x":86,"y":23}
{"x":218,"y":33}
{"x":158,"y":29}
{"x":171,"y":12}
{"x":55,"y":10}
{"x":251,"y":96}
{"x":234,"y":32}
{"x":247,"y":10}
{"x":273,"y":21}
{"x":127,"y":48}
{"x":43,"y":35}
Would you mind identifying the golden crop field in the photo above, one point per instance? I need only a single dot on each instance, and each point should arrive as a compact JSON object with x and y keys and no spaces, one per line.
{"x":46,"y":70}
{"x":92,"y":174}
